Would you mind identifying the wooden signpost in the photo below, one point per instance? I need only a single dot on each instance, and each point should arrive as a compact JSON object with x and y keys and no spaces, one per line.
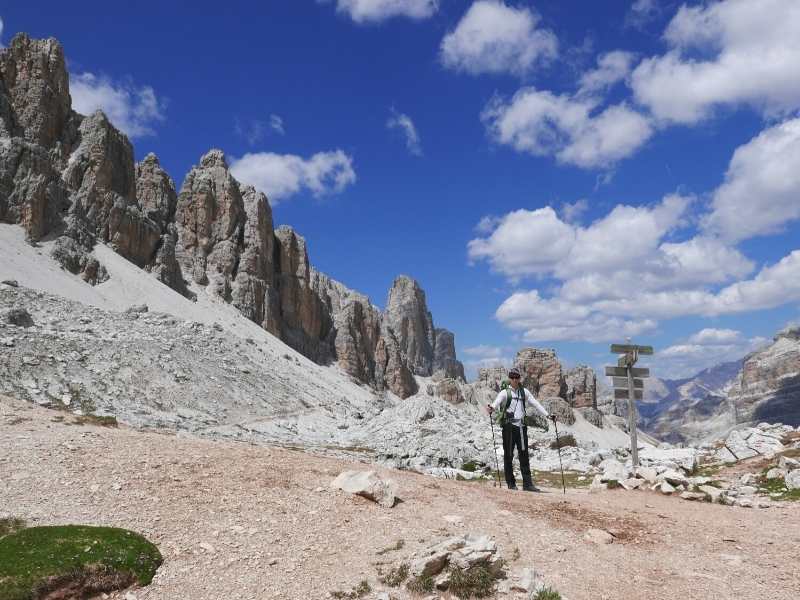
{"x":629,"y":383}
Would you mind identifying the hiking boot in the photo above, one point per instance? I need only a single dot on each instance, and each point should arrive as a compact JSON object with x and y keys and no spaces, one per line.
{"x":531,"y":488}
{"x":512,"y":487}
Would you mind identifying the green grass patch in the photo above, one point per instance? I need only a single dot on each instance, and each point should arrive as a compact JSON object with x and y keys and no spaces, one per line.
{"x":470,"y":466}
{"x":396,"y":576}
{"x":420,"y":585}
{"x":553,"y":479}
{"x":547,"y":593}
{"x":78,"y":559}
{"x":706,"y":470}
{"x":776,"y":488}
{"x":358,"y":591}
{"x":10,"y":525}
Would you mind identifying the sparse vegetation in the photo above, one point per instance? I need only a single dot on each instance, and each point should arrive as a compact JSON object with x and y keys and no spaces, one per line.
{"x":396,"y":576}
{"x":398,"y":545}
{"x":776,"y":488}
{"x":420,"y":585}
{"x":547,"y":593}
{"x":98,"y":420}
{"x":476,"y":582}
{"x":358,"y":591}
{"x":564,"y":440}
{"x":10,"y":525}
{"x":470,"y":466}
{"x":74,"y":560}
{"x":571,"y":479}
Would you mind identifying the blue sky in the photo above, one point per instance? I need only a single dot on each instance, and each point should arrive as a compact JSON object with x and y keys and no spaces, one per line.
{"x":557,"y":173}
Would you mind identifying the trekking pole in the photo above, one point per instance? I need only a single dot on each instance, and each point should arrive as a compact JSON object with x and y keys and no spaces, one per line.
{"x":494,"y":443}
{"x":558,"y":447}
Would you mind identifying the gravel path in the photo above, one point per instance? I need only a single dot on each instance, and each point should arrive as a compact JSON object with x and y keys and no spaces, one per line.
{"x":241,"y":521}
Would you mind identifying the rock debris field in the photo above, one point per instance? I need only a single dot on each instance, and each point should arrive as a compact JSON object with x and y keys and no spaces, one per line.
{"x":235,"y":520}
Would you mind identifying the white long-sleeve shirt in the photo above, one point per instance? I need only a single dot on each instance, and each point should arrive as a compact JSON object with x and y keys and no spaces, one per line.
{"x":516,"y":408}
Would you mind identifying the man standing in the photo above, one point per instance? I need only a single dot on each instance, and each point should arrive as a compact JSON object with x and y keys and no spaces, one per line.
{"x":510,"y":407}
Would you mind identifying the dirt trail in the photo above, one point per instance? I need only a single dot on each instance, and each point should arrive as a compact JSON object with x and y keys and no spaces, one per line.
{"x":239,"y":521}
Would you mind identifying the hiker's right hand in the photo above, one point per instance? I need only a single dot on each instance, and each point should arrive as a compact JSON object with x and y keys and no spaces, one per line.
{"x":489,"y":409}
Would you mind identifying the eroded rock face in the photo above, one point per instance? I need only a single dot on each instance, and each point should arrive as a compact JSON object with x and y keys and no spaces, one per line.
{"x":581,"y":387}
{"x":541,"y":372}
{"x":36,"y":85}
{"x":408,"y":316}
{"x":445,"y":363}
{"x":391,"y":370}
{"x":768,"y":387}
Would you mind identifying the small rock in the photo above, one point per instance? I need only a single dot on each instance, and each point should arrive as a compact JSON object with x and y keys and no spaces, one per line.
{"x":693,"y":496}
{"x":598,"y":536}
{"x":17,"y":316}
{"x":793,"y":480}
{"x":137,"y":308}
{"x":666,"y":488}
{"x":776,"y":473}
{"x":368,"y":485}
{"x":631,"y":484}
{"x":744,"y":502}
{"x":747,"y":479}
{"x":714,"y":494}
{"x":11,"y":282}
{"x":788,"y":464}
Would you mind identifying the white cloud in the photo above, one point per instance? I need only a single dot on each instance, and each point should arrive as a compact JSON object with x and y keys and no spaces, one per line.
{"x":403,"y":123}
{"x":525,"y":243}
{"x":282,"y":175}
{"x":612,"y":68}
{"x":487,"y":224}
{"x":761,"y":192}
{"x":375,"y":11}
{"x":642,"y":12}
{"x":494,"y":38}
{"x":543,"y":124}
{"x":276,"y":124}
{"x":572,"y":212}
{"x":725,"y":53}
{"x":711,"y":336}
{"x":254,"y":130}
{"x":132,"y":109}
{"x":484,"y":351}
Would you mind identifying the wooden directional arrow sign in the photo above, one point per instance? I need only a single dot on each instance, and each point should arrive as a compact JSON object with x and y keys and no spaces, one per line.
{"x":623,"y":394}
{"x":623,"y":372}
{"x":622,"y":383}
{"x":623,"y":348}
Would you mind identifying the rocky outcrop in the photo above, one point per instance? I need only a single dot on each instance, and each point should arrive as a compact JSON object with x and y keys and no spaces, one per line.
{"x":408,"y":316}
{"x":73,"y":176}
{"x":768,"y":387}
{"x":581,"y":387}
{"x":541,"y":372}
{"x":445,"y":363}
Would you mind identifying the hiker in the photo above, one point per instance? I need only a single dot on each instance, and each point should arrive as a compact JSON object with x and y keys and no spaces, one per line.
{"x":515,"y":432}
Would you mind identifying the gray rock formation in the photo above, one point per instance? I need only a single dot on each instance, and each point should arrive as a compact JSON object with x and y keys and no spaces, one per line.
{"x":581,"y":387}
{"x":541,"y":372}
{"x":445,"y":363}
{"x":408,"y":317}
{"x":73,"y":176}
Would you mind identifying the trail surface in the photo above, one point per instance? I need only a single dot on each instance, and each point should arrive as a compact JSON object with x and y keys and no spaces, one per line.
{"x":241,"y":521}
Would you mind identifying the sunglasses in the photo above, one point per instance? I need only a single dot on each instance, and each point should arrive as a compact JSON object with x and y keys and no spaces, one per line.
{"x":513,"y":376}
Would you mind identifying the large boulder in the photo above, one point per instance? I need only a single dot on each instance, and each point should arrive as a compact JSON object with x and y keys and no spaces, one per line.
{"x":368,"y":485}
{"x":560,"y":408}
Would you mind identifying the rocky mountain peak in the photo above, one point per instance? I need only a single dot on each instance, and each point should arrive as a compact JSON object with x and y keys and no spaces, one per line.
{"x":35,"y":78}
{"x":408,"y":316}
{"x":214,"y":158}
{"x":789,"y":333}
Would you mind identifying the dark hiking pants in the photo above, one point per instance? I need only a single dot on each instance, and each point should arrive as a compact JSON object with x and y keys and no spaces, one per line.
{"x":514,"y":436}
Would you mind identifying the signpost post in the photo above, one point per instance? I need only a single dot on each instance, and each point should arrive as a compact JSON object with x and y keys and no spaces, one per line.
{"x":628,"y":383}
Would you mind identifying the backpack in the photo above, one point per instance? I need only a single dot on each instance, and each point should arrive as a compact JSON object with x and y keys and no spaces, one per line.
{"x":533,"y":419}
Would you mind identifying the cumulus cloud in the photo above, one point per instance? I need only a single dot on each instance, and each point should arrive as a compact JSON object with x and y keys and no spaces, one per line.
{"x":401,"y":122}
{"x":730,"y":53}
{"x":711,"y":336}
{"x":133,"y":109}
{"x":484,"y":351}
{"x":280,"y":176}
{"x":572,"y":128}
{"x":612,"y":68}
{"x":494,"y":38}
{"x":761,"y":192}
{"x":375,"y":11}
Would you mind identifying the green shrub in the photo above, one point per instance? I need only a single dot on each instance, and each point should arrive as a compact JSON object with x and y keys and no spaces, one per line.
{"x":420,"y":585}
{"x":80,"y":559}
{"x":547,"y":594}
{"x":396,"y":576}
{"x":475,"y":582}
{"x":10,"y":525}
